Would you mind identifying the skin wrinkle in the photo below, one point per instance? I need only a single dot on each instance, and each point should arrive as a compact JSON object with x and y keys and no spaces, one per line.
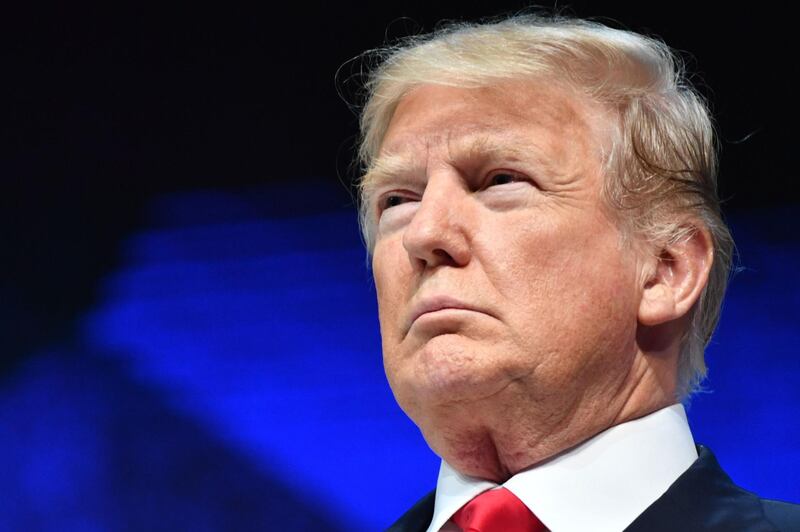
{"x":552,"y":357}
{"x":375,"y":173}
{"x":512,"y":380}
{"x":553,"y":424}
{"x":482,"y":142}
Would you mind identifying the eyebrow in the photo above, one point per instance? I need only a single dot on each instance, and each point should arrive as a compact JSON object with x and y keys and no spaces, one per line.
{"x":389,"y":165}
{"x":400,"y":167}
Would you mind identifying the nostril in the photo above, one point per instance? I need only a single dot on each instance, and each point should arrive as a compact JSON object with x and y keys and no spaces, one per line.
{"x":443,"y":256}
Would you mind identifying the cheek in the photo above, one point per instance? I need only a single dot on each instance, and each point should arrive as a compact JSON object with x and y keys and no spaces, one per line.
{"x":568,"y":282}
{"x":389,"y":270}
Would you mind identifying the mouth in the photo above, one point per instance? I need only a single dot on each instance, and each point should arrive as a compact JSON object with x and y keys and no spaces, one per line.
{"x":430,"y":305}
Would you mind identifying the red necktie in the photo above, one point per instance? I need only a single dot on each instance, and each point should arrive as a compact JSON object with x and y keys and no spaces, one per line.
{"x":497,"y":510}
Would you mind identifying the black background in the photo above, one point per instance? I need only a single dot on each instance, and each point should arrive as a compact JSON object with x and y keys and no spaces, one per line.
{"x":105,"y":108}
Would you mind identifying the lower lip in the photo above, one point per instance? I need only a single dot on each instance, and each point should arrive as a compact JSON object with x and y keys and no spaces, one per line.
{"x":442,"y":313}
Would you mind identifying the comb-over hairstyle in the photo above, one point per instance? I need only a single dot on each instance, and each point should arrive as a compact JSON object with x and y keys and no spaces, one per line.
{"x":661,"y":174}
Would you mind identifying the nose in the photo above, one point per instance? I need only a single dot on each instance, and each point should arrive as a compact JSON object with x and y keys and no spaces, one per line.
{"x":437,"y":235}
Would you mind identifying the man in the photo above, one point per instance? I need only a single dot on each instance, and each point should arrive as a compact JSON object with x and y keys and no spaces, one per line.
{"x":539,"y":202}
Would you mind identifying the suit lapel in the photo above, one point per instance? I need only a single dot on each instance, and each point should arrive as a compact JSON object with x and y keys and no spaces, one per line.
{"x":418,"y":518}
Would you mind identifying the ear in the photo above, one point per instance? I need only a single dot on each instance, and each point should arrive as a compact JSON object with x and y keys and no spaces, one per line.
{"x":676,"y":277}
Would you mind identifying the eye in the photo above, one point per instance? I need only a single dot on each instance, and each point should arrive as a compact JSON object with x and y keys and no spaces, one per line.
{"x":504,"y":177}
{"x":392,"y":200}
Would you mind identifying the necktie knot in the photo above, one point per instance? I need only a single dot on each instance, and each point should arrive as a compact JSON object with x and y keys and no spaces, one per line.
{"x":497,"y":510}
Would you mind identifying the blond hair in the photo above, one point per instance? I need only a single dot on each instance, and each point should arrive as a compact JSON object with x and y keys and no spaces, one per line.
{"x":662,"y":170}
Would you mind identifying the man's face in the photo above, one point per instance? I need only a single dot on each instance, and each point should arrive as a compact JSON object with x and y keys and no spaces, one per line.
{"x":500,"y":277}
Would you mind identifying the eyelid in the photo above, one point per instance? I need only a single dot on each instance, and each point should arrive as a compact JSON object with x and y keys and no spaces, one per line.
{"x":381,"y":199}
{"x":517,"y":175}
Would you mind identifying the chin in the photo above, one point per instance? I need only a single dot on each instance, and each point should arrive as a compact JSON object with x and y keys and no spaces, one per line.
{"x":448,"y":369}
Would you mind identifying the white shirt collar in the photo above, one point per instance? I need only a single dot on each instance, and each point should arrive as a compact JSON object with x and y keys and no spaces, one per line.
{"x":601,"y":485}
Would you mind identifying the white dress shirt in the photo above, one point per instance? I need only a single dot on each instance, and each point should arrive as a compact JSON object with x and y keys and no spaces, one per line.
{"x":601,"y":485}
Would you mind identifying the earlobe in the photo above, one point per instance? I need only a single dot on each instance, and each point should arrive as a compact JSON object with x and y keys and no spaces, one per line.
{"x":677,"y":278}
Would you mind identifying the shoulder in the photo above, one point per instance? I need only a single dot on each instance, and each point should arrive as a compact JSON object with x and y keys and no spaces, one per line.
{"x":418,"y":517}
{"x":785,"y":516}
{"x":705,"y":498}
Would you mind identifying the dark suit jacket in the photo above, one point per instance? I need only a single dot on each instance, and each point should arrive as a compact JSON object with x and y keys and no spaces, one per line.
{"x":703,"y":498}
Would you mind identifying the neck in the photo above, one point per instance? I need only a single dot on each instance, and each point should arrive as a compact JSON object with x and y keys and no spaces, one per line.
{"x":512,"y":431}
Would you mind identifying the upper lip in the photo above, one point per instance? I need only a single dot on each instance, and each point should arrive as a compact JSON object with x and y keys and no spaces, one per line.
{"x":432,"y":304}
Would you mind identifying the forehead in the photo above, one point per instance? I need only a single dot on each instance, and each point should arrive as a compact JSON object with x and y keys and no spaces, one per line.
{"x":531,"y":102}
{"x":548,"y":121}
